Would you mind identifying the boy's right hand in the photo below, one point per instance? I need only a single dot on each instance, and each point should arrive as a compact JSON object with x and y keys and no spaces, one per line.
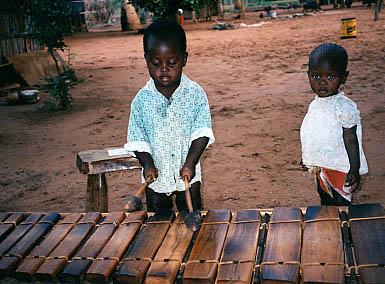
{"x":150,"y":173}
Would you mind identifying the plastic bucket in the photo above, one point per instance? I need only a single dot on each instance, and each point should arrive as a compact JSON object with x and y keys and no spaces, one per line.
{"x":348,"y":28}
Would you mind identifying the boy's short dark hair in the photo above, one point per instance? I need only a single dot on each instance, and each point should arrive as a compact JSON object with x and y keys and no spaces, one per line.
{"x":331,"y":52}
{"x":166,"y":30}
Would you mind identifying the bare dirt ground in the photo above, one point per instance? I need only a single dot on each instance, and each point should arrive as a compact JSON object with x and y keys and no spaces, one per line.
{"x":257,"y":86}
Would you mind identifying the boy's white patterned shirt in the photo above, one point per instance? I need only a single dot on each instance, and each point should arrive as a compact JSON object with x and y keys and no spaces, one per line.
{"x":322,"y":134}
{"x":165,"y":128}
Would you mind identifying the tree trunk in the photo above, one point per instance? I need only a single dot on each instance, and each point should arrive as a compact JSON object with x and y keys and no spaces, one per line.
{"x":50,"y":50}
{"x":377,"y":10}
{"x":220,"y":9}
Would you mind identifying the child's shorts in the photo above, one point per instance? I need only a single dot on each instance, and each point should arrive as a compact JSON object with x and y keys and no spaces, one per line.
{"x":161,"y":203}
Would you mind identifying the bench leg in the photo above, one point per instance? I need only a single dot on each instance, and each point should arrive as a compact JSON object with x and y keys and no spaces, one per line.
{"x":97,"y":199}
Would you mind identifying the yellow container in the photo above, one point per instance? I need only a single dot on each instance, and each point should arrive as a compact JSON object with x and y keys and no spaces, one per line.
{"x":348,"y":28}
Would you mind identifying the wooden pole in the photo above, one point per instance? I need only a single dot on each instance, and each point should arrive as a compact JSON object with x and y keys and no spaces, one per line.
{"x":377,"y":10}
{"x":97,"y":198}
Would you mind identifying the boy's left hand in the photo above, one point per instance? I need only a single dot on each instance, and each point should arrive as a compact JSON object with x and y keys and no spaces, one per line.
{"x":187,"y":172}
{"x":353,"y":179}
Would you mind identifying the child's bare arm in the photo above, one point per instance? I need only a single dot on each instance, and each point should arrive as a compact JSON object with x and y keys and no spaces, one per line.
{"x":353,"y":177}
{"x":195,"y":152}
{"x":149,"y":169}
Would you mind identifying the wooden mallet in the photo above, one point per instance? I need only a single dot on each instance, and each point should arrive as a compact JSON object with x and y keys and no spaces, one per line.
{"x":192,"y":218}
{"x":133,"y":202}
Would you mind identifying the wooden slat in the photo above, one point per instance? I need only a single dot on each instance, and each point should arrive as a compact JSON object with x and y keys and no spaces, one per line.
{"x":111,"y":254}
{"x":27,"y":243}
{"x":162,"y":272}
{"x":28,"y":268}
{"x":98,"y":161}
{"x":216,"y":216}
{"x":170,"y":254}
{"x":67,"y":247}
{"x":236,"y":273}
{"x":371,"y":275}
{"x":196,"y":272}
{"x":286,"y":214}
{"x":146,"y":245}
{"x":366,"y":210}
{"x":368,"y":237}
{"x":75,"y":270}
{"x":283,"y":247}
{"x":322,"y":244}
{"x":9,"y":224}
{"x":19,"y":232}
{"x":240,"y":248}
{"x":242,"y":239}
{"x":4,"y":215}
{"x":202,"y":262}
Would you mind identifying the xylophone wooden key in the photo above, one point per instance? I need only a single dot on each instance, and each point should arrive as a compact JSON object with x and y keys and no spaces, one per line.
{"x":367,"y":225}
{"x":107,"y":260}
{"x":23,"y":246}
{"x":29,"y":266}
{"x":203,"y":261}
{"x":19,"y":232}
{"x":166,"y":264}
{"x":138,"y":258}
{"x":58,"y":258}
{"x":281,"y":260}
{"x":322,"y":255}
{"x":74,"y":270}
{"x":4,"y":215}
{"x":7,"y":225}
{"x":237,"y":262}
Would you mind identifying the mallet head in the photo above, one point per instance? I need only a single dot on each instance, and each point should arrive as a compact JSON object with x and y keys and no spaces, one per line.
{"x":132,"y":203}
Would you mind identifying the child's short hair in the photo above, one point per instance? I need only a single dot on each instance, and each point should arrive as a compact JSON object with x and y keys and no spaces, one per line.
{"x":166,"y":30}
{"x":330,"y":52}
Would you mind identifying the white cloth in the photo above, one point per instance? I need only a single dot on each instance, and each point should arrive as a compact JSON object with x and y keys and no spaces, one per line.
{"x":322,"y":134}
{"x":165,"y":128}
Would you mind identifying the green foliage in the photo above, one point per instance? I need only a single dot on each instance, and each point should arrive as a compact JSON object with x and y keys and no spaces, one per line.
{"x":58,"y":90}
{"x":50,"y":22}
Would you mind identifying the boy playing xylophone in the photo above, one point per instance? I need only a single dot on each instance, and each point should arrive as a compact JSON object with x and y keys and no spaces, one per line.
{"x":331,"y":134}
{"x":170,"y":121}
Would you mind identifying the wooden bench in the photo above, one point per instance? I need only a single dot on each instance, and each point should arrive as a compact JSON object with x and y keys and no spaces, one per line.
{"x":95,"y":164}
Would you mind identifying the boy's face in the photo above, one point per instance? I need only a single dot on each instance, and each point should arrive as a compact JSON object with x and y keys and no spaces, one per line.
{"x":325,"y":79}
{"x":165,"y":62}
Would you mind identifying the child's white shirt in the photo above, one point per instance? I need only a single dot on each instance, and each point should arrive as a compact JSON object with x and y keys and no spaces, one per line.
{"x":322,"y":134}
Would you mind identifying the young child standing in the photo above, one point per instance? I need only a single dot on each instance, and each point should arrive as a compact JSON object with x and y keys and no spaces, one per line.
{"x":170,"y":121}
{"x":331,"y":134}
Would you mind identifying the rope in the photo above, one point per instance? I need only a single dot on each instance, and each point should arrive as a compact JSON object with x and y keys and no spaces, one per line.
{"x":203,"y":261}
{"x":135,"y":221}
{"x":285,"y":221}
{"x":88,"y":222}
{"x":57,"y":257}
{"x":216,"y":223}
{"x":47,"y":222}
{"x":137,"y":258}
{"x":108,"y":258}
{"x":10,"y":222}
{"x":323,"y":219}
{"x":83,"y":258}
{"x":246,"y":221}
{"x":366,"y":218}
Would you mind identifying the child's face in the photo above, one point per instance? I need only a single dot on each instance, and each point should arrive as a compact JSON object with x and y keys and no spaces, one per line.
{"x":325,"y":79}
{"x":165,"y":63}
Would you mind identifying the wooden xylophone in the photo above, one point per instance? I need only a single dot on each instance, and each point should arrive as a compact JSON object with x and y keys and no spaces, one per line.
{"x":283,"y":245}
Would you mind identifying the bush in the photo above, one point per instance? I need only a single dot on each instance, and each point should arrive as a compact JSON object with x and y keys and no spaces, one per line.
{"x":58,"y":87}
